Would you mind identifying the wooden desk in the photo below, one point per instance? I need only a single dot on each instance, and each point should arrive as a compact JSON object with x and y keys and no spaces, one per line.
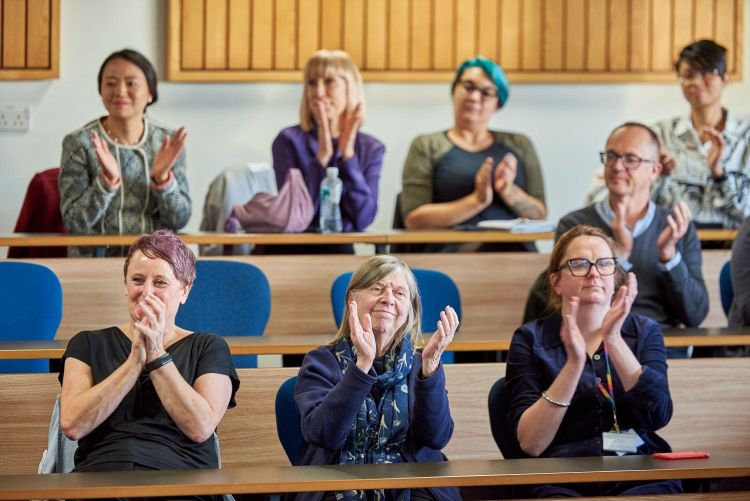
{"x":456,"y":237}
{"x":57,"y":239}
{"x":276,"y":479}
{"x":718,"y":234}
{"x":707,"y":336}
{"x":709,"y":413}
{"x":300,"y":344}
{"x":377,"y":238}
{"x":238,"y":345}
{"x":494,"y":288}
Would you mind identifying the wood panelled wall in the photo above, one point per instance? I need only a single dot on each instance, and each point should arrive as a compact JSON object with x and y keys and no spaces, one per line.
{"x":413,"y":40}
{"x":29,"y":39}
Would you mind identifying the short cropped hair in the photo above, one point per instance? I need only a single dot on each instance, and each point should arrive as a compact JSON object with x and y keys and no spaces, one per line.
{"x":704,"y":56}
{"x":654,"y":138}
{"x":369,"y":273}
{"x":165,"y":245}
{"x":139,"y":60}
{"x":561,"y":247}
{"x":331,"y":63}
{"x":493,"y":71}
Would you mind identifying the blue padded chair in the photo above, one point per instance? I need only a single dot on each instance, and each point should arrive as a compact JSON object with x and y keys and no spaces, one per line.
{"x":725,"y":287}
{"x":437,"y":290}
{"x":31,"y":302}
{"x":288,"y":420}
{"x":498,"y":401}
{"x":228,"y":298}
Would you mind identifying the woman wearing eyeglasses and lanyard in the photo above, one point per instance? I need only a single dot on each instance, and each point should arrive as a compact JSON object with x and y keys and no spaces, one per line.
{"x":469,"y":173}
{"x":591,"y":378}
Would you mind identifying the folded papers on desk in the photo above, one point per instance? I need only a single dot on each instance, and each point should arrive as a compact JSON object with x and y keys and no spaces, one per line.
{"x":520,"y":225}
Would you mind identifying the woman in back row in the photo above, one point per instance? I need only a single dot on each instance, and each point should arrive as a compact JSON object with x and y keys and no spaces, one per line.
{"x":331,"y":113}
{"x":470,"y":173}
{"x":124,"y":173}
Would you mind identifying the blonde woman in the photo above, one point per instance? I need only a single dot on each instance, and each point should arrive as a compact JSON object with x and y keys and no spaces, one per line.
{"x":331,"y":114}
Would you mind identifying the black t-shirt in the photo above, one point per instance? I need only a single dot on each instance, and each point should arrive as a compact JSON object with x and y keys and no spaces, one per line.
{"x":140,"y":430}
{"x":453,"y":178}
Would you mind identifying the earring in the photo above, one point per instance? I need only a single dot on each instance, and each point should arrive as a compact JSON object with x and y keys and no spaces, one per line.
{"x":150,"y":100}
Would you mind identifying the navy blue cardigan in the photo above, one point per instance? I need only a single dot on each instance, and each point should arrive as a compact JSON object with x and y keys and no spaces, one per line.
{"x":329,"y":400}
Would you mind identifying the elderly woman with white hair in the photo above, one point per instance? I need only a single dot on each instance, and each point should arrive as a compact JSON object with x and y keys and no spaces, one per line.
{"x":373,"y":395}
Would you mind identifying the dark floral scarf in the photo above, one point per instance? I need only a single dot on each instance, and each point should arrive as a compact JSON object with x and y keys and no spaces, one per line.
{"x":379,"y":430}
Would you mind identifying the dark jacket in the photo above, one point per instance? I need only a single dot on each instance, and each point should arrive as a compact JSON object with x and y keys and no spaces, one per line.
{"x":329,"y":400}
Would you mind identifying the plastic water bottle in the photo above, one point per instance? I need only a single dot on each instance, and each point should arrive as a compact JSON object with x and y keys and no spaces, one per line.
{"x":330,"y":197}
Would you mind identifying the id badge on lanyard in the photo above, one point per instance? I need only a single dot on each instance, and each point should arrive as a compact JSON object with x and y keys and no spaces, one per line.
{"x":619,"y":441}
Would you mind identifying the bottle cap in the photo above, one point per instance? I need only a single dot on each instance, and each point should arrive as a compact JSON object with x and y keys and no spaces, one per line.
{"x":332,"y":171}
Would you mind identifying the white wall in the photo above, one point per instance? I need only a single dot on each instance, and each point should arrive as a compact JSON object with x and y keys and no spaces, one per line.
{"x":232,"y":123}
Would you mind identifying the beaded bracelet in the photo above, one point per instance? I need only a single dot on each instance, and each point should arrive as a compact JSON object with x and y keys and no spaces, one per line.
{"x":554,"y":402}
{"x":159,"y":362}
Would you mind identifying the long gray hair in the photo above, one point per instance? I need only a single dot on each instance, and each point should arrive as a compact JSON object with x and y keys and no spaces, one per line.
{"x":370,"y":272}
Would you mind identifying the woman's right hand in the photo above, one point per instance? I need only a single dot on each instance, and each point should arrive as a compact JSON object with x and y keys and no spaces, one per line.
{"x":325,"y":139}
{"x":483,"y":182}
{"x":138,"y":348}
{"x":362,"y":338}
{"x":570,"y":333}
{"x":109,"y":168}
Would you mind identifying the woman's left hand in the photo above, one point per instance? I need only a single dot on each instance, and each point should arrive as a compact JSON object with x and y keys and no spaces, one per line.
{"x":170,"y":150}
{"x":152,"y":326}
{"x":505,"y":173}
{"x":446,"y":328}
{"x":349,"y":127}
{"x":618,"y":311}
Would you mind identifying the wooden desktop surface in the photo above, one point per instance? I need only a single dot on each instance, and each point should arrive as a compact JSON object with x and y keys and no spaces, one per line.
{"x":276,"y":479}
{"x":300,"y":344}
{"x":379,"y":238}
{"x":494,"y":288}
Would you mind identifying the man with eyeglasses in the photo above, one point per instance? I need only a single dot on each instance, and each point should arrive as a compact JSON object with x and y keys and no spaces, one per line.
{"x":659,"y":245}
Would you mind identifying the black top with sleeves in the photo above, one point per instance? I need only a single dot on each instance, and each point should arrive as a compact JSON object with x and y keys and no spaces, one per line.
{"x":140,"y":430}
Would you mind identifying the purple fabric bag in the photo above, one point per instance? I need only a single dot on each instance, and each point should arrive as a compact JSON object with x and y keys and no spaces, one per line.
{"x":291,"y":211}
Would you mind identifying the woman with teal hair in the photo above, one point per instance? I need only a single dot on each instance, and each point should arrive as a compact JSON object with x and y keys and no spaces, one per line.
{"x":469,"y":173}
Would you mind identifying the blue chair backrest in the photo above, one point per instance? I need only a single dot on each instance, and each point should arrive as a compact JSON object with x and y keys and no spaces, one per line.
{"x":725,"y":287}
{"x":498,"y":402}
{"x":228,"y":298}
{"x":437,"y":290}
{"x":31,"y":305}
{"x":289,"y":420}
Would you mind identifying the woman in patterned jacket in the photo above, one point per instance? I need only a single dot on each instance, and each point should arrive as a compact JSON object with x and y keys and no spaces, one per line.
{"x":123,"y":173}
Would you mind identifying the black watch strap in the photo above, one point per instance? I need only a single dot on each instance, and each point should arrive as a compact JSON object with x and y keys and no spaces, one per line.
{"x":159,"y":362}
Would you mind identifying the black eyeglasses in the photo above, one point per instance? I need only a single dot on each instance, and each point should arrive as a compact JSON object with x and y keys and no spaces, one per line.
{"x":487,"y":92}
{"x":580,"y":267}
{"x":693,"y":76}
{"x":629,"y":160}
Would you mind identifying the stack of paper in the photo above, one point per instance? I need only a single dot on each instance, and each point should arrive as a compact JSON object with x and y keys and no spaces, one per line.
{"x":520,"y":225}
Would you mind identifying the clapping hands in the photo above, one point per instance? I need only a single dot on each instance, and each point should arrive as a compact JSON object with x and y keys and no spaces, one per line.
{"x":619,"y":309}
{"x":362,"y":338}
{"x":152,"y":326}
{"x":171,"y":147}
{"x":446,"y":328}
{"x":678,"y":223}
